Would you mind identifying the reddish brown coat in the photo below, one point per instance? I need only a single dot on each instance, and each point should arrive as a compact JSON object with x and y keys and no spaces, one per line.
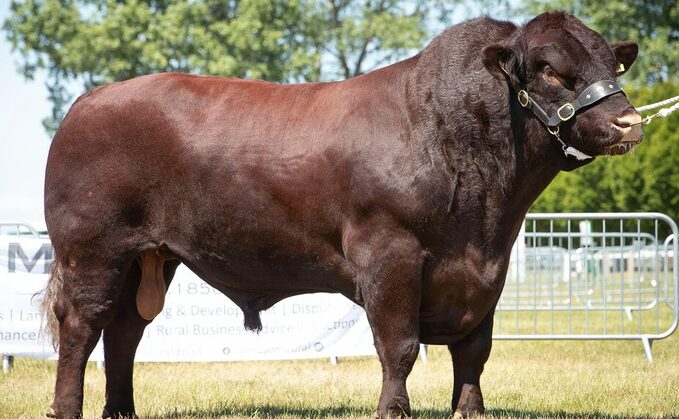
{"x":403,"y":189}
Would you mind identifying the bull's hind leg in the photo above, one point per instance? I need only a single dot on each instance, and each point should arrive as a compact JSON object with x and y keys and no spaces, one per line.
{"x":469,"y":356}
{"x":83,"y":306}
{"x":389,"y":265}
{"x":121,"y":338}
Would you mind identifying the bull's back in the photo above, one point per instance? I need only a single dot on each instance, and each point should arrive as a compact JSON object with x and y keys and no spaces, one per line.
{"x":144,"y":151}
{"x":215,"y":168}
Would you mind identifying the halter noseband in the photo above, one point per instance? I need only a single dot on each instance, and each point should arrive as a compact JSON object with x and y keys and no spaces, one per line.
{"x":589,"y":96}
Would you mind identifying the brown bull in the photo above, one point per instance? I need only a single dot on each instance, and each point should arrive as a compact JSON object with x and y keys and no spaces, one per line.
{"x":402,"y":189}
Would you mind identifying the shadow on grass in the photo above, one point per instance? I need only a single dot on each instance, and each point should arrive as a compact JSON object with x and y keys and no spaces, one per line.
{"x":527,"y":414}
{"x":268,"y":411}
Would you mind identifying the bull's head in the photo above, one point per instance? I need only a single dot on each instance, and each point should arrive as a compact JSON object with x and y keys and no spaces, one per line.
{"x":555,"y":58}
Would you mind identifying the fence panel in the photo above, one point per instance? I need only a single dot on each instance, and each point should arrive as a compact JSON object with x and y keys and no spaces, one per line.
{"x":592,"y":276}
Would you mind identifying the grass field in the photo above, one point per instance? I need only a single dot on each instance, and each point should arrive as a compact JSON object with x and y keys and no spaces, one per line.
{"x":522,"y":380}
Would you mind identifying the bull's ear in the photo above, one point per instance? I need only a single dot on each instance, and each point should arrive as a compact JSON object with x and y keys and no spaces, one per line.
{"x":625,"y":53}
{"x":495,"y":58}
{"x":502,"y":62}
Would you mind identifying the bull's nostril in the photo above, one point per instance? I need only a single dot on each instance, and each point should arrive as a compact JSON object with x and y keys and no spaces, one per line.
{"x":627,"y":120}
{"x":629,"y":126}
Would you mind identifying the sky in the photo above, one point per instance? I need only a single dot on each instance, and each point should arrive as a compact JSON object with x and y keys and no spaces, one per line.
{"x":23,"y":141}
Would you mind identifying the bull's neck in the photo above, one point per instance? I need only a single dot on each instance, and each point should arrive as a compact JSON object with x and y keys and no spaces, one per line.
{"x":537,"y":157}
{"x":506,"y":157}
{"x":516,"y":162}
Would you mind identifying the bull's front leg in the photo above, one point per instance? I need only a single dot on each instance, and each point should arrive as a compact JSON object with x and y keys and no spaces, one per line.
{"x":388,"y":263}
{"x":469,"y":356}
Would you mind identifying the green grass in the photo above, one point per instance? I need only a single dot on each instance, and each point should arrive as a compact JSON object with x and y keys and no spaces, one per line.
{"x":554,"y":379}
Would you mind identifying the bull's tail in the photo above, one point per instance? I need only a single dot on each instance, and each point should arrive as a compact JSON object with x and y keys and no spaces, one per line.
{"x":51,"y":295}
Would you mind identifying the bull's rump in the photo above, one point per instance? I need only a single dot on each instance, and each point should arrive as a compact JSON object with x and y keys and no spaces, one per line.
{"x":239,"y":179}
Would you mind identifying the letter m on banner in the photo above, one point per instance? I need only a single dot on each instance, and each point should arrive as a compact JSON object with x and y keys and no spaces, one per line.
{"x":15,"y":251}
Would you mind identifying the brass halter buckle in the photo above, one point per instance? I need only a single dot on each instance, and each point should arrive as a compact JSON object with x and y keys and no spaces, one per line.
{"x":566,"y":106}
{"x":524,"y":99}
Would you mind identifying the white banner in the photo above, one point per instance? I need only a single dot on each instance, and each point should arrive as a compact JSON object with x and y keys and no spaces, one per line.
{"x":198,"y":323}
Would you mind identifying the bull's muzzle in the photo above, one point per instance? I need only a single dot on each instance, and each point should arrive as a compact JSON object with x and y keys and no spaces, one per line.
{"x":630,"y":127}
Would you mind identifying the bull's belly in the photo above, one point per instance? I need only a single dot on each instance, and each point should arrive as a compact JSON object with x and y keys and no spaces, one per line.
{"x":257,"y":283}
{"x":247,"y":274}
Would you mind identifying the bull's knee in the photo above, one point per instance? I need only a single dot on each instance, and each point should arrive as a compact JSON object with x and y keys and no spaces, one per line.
{"x":404,"y":355}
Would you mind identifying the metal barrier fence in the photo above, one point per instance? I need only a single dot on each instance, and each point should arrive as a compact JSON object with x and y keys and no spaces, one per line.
{"x":592,"y":276}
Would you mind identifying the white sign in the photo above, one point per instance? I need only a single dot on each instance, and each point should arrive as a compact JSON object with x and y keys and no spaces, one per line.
{"x":197,"y":323}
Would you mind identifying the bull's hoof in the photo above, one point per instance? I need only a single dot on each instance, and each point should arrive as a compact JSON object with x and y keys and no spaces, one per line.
{"x":118,"y":414}
{"x":50,"y":412}
{"x":395,"y":412}
{"x":468,"y":413}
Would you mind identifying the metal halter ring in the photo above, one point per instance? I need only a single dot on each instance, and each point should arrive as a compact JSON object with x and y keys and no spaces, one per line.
{"x":566,"y":106}
{"x":524,"y":99}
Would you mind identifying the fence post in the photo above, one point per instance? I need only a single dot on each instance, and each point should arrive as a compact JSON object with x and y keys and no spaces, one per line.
{"x":424,"y":356}
{"x":648,"y":344}
{"x":7,"y":363}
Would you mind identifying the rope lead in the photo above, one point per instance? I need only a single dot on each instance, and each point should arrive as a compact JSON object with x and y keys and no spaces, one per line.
{"x":664,"y":112}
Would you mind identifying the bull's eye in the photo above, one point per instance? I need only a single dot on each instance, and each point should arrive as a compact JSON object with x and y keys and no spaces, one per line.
{"x":549,"y":72}
{"x":552,"y":77}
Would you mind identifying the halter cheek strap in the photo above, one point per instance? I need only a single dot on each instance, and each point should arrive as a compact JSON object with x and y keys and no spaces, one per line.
{"x":592,"y":94}
{"x":589,"y":96}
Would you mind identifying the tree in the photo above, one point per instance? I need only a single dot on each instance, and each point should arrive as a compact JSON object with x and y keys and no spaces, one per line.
{"x":90,"y":42}
{"x":370,"y":33}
